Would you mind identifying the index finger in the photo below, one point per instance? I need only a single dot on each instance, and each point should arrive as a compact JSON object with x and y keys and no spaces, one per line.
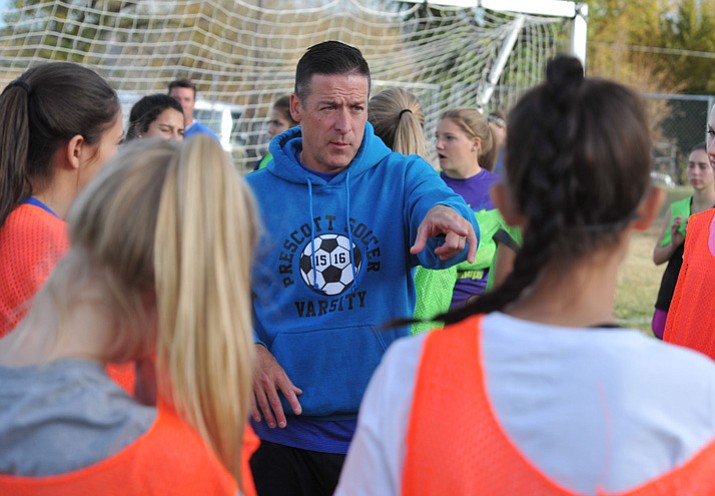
{"x":420,"y":241}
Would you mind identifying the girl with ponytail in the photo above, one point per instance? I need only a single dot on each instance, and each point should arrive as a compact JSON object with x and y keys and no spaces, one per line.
{"x":60,"y":123}
{"x":161,"y":250}
{"x":466,"y":147}
{"x":398,"y":119}
{"x":534,"y":388}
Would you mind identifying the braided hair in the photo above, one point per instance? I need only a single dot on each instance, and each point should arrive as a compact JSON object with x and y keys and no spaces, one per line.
{"x":577,"y":165}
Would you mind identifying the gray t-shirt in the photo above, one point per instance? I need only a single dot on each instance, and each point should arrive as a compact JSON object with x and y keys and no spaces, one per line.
{"x":64,"y":416}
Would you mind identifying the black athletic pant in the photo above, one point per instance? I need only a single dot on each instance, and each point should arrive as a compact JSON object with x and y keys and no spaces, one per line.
{"x":284,"y":471}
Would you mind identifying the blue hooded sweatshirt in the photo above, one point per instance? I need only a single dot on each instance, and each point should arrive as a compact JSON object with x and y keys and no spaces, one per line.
{"x":324,"y":326}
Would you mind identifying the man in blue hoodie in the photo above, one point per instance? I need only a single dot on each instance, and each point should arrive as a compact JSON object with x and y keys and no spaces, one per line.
{"x":346,"y":222}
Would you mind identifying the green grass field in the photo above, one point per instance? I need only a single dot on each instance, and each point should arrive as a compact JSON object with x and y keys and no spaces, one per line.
{"x":639,"y":278}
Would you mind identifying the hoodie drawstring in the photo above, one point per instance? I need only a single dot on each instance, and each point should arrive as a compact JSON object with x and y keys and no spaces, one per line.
{"x":312,"y":234}
{"x":350,"y":231}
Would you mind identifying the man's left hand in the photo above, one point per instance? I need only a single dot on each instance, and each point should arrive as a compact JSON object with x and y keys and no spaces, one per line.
{"x":457,"y":232}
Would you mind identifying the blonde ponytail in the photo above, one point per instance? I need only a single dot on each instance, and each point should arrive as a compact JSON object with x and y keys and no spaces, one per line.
{"x":398,"y":119}
{"x":175,"y":223}
{"x":204,"y":244}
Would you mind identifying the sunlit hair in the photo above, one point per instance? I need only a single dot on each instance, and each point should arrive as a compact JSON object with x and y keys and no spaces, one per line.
{"x":578,"y":170}
{"x":475,"y":125}
{"x":398,"y":119}
{"x":172,"y":224}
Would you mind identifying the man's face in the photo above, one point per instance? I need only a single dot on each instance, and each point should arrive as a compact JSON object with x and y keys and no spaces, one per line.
{"x":187,"y":99}
{"x":332,"y":119}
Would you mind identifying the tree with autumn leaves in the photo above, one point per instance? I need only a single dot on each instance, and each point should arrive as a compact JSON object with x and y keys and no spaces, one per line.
{"x":655,"y":45}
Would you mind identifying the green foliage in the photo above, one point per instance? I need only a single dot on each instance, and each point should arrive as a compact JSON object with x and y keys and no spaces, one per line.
{"x":657,"y":45}
{"x":76,"y":27}
{"x":691,"y":27}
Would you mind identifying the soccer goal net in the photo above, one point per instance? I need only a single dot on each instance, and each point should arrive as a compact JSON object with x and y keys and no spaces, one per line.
{"x":242,"y":53}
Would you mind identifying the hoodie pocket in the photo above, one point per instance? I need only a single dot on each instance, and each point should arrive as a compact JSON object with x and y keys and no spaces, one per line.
{"x":331,"y":366}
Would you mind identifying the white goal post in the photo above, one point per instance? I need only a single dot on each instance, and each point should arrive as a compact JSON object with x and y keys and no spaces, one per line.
{"x":242,"y":53}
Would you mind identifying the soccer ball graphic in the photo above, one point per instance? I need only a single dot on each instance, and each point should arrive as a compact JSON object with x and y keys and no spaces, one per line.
{"x":333,"y":273}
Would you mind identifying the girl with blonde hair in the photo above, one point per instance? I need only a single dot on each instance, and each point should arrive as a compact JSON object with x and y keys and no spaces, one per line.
{"x":398,"y":119}
{"x":465,"y":145}
{"x":159,"y":264}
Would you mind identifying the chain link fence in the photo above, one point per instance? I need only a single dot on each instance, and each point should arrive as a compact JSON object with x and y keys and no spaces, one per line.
{"x":680,"y":123}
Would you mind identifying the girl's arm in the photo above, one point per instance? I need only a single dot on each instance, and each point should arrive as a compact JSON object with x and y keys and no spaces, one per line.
{"x":662,"y":254}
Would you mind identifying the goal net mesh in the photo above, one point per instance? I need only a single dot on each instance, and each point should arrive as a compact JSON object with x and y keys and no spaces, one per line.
{"x":243,"y":53}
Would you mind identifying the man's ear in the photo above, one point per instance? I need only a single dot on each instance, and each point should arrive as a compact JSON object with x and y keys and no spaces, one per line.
{"x":501,"y":197}
{"x":73,"y":151}
{"x":295,"y":107}
{"x":649,"y":208}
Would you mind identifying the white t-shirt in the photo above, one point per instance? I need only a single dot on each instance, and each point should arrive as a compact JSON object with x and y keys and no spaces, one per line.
{"x":607,"y":408}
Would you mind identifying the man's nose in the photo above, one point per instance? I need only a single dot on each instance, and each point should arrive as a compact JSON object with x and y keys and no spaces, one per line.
{"x":342,"y":121}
